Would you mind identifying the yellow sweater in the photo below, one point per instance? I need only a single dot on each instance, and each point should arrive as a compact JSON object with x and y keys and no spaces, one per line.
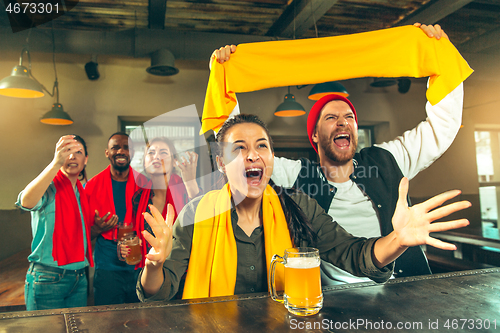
{"x":395,"y":52}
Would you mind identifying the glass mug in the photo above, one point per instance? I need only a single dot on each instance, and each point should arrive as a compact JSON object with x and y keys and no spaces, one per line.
{"x":134,"y":244}
{"x":303,"y":295}
{"x":123,"y":229}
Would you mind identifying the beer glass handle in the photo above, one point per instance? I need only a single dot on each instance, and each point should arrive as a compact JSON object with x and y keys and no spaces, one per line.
{"x":119,"y":252}
{"x":272,"y":270}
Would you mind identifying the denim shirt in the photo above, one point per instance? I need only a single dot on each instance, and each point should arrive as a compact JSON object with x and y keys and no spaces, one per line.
{"x":42,"y":227}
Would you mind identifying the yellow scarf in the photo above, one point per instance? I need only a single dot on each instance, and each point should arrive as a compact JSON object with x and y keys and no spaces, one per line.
{"x":213,"y":260}
{"x":395,"y":52}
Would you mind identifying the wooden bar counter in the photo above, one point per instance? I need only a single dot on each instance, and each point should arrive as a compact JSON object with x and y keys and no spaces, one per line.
{"x":467,"y":301}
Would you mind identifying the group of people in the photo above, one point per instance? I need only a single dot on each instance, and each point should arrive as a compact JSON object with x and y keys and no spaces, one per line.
{"x":223,"y":241}
{"x":66,"y":216}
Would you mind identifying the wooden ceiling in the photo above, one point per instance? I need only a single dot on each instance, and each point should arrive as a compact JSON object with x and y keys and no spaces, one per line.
{"x":473,"y":26}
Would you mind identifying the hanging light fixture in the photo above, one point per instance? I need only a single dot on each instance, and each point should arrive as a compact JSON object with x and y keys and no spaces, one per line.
{"x":57,"y":115}
{"x":21,"y":83}
{"x":326,"y":88}
{"x":289,"y":107}
{"x":162,"y":63}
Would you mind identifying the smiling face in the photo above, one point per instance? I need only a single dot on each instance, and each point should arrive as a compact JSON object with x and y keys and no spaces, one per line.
{"x":118,"y":152}
{"x":247,"y":160}
{"x":158,"y":159}
{"x":75,"y":162}
{"x":336,"y":132}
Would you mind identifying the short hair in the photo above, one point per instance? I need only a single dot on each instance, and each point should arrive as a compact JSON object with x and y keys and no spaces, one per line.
{"x":118,"y":133}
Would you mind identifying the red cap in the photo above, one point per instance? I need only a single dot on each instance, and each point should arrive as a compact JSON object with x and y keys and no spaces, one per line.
{"x":312,"y":119}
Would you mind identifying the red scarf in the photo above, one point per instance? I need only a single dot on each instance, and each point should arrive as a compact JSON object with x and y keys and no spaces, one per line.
{"x":100,"y":192}
{"x":176,"y":196}
{"x":67,"y":240}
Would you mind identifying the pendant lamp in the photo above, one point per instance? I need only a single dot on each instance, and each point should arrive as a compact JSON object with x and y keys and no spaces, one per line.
{"x":57,"y":115}
{"x":289,"y":107}
{"x":162,"y":63}
{"x":21,"y":83}
{"x":326,"y":88}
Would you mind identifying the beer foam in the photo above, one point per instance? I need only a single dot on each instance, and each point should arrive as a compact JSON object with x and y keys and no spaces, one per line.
{"x":302,"y":262}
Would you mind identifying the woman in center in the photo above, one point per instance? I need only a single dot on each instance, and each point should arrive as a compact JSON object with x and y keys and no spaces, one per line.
{"x":226,"y":238}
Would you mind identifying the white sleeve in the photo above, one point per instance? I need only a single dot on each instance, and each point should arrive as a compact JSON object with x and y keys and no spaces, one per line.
{"x":285,"y":171}
{"x":418,"y":148}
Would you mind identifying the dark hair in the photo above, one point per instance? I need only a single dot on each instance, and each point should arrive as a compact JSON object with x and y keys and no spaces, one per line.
{"x":171,"y":147}
{"x":299,"y":225}
{"x":118,"y":133}
{"x":241,"y":119}
{"x":83,"y":174}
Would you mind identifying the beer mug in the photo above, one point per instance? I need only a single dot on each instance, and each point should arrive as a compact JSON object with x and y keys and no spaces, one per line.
{"x":303,"y":295}
{"x":134,"y":244}
{"x":123,"y":228}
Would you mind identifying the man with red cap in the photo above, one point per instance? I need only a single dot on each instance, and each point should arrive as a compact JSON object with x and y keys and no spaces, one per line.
{"x":360,"y":190}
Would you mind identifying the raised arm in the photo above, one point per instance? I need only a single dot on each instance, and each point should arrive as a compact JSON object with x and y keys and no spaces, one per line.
{"x":37,"y":187}
{"x":161,"y":246}
{"x":187,"y":164}
{"x":412,"y":225}
{"x":417,"y":148}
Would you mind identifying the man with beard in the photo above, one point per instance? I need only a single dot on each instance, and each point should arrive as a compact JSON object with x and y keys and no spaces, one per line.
{"x":110,"y":198}
{"x":360,"y":190}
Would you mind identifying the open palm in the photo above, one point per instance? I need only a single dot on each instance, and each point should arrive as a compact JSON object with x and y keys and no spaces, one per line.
{"x":412,"y":225}
{"x":161,"y":245}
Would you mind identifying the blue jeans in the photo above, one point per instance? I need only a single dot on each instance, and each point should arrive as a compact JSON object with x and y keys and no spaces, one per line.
{"x":54,"y":288}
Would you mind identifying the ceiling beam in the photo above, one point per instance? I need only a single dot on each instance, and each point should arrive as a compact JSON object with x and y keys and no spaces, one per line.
{"x":435,"y":12}
{"x":482,"y":42}
{"x":298,"y":17}
{"x":157,"y":10}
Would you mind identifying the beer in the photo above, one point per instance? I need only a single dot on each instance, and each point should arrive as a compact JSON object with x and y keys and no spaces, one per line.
{"x":135,"y":255}
{"x":123,"y":230}
{"x":303,"y":285}
{"x":134,"y":244}
{"x":303,"y":296}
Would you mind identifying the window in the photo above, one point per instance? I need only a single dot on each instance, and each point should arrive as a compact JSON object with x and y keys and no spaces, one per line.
{"x":365,"y":137}
{"x":182,"y":135}
{"x":488,"y":170}
{"x":182,"y":127}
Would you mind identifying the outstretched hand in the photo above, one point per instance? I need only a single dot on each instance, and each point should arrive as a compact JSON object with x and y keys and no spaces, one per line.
{"x":413,"y":225}
{"x":187,"y":165}
{"x":104,"y":225}
{"x":161,"y":245}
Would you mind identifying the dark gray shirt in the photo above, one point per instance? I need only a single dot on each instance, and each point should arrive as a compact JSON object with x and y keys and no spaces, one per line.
{"x":335,"y":245}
